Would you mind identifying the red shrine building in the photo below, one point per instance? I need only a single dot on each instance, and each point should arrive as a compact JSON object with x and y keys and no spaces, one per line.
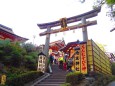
{"x":7,"y":33}
{"x":56,"y":45}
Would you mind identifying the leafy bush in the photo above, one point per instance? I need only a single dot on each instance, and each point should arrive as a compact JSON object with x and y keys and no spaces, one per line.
{"x":80,"y":76}
{"x":102,"y":79}
{"x":14,"y":70}
{"x":66,"y":84}
{"x":73,"y":78}
{"x":13,"y":54}
{"x":20,"y":80}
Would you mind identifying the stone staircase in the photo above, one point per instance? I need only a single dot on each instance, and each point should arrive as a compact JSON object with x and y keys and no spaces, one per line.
{"x":55,"y":79}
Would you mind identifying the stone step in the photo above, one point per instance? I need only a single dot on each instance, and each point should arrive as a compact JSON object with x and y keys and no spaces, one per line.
{"x":54,"y":80}
{"x":58,"y":74}
{"x":47,"y":85}
{"x":63,"y":74}
{"x":57,"y":78}
{"x":51,"y":82}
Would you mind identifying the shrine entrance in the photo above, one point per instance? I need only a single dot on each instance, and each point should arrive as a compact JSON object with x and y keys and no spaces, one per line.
{"x":64,"y":23}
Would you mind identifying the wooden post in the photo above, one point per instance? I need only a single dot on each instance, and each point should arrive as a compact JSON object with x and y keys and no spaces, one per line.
{"x":84,"y":31}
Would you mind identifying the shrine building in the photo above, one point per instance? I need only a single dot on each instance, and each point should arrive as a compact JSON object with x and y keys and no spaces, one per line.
{"x":87,"y":57}
{"x":7,"y":33}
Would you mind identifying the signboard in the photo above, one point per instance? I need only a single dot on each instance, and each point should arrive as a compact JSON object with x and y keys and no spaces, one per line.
{"x":83,"y":59}
{"x":77,"y":61}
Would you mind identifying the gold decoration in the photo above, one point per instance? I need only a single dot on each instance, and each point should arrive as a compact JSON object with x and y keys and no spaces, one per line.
{"x":63,"y":22}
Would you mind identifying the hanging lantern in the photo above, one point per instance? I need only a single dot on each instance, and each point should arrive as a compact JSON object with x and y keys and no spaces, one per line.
{"x":41,"y":62}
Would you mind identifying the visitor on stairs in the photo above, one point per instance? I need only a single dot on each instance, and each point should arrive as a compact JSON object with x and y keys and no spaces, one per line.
{"x":60,"y":59}
{"x":51,"y":58}
{"x":65,"y":66}
{"x":69,"y":64}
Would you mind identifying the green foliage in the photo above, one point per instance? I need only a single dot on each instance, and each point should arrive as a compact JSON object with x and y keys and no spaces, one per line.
{"x":31,"y":56}
{"x":74,"y":78}
{"x":14,"y":70}
{"x":102,"y":79}
{"x":16,"y":55}
{"x":17,"y":60}
{"x":66,"y":84}
{"x":11,"y":54}
{"x":20,"y":80}
{"x":29,"y":47}
{"x":110,"y":2}
{"x":31,"y":61}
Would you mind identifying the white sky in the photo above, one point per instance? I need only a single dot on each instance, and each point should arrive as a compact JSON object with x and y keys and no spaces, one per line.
{"x":24,"y":15}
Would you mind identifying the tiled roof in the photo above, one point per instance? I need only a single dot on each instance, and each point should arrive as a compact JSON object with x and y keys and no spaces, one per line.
{"x":6,"y":29}
{"x":10,"y":31}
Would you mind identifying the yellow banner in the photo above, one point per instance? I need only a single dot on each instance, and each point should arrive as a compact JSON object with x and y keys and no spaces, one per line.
{"x":83,"y":58}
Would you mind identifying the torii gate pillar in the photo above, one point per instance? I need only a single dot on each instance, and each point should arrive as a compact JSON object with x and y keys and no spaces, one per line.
{"x":46,"y":48}
{"x":84,"y":31}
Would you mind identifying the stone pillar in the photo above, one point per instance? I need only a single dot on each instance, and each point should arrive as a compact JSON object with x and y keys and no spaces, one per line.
{"x":84,"y":31}
{"x":46,"y":50}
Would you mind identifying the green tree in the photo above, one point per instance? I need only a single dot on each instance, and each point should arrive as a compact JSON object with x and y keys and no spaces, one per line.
{"x":109,"y":3}
{"x":31,"y":60}
{"x":31,"y":56}
{"x":29,"y":47}
{"x":11,"y":54}
{"x":14,"y":54}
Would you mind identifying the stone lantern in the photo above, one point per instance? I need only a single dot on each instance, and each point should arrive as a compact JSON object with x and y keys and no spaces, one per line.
{"x":41,"y":62}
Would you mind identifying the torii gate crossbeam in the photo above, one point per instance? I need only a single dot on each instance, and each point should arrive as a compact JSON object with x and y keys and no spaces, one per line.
{"x":86,"y":15}
{"x":80,"y":25}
